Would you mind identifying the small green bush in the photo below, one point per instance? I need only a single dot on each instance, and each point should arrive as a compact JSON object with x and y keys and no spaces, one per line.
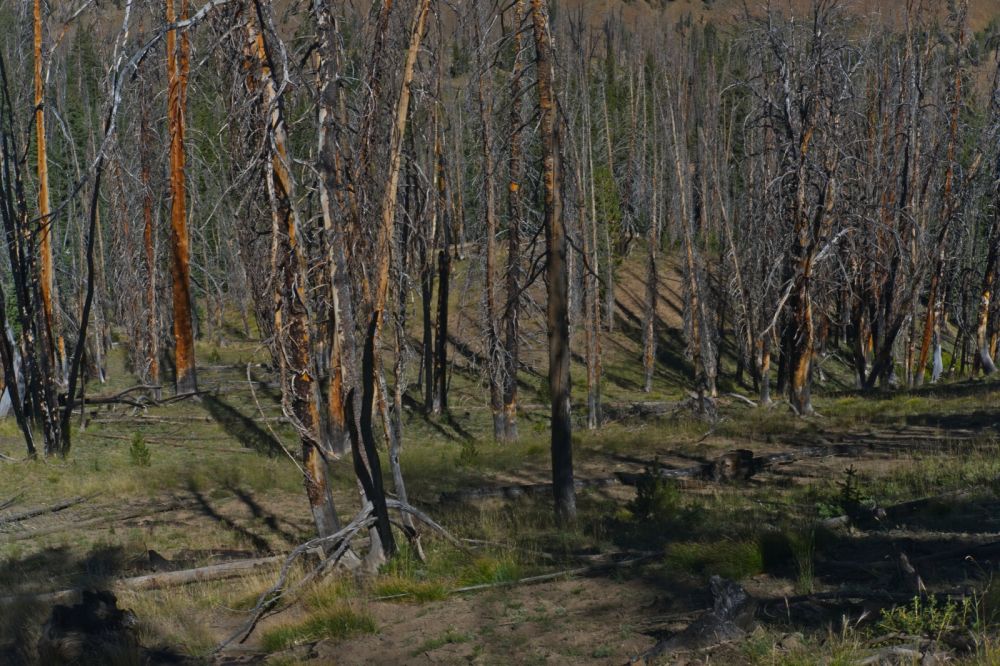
{"x":138,"y":451}
{"x":929,"y":617}
{"x":656,"y":499}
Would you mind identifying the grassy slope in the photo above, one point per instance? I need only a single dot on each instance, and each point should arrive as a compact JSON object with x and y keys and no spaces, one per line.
{"x":206,"y":496}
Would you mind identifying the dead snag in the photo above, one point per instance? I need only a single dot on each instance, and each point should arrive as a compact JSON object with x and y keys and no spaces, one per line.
{"x":494,"y":364}
{"x":558,"y":285}
{"x":293,"y":340}
{"x":180,"y":268}
{"x":48,"y":285}
{"x":515,"y":218}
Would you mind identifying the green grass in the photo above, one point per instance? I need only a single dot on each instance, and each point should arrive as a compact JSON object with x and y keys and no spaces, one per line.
{"x":334,"y":623}
{"x":490,"y":569}
{"x":397,"y":588}
{"x":702,"y":529}
{"x":730,"y":559}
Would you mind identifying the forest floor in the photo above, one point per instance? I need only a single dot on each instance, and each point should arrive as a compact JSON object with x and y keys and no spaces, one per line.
{"x":199,"y":482}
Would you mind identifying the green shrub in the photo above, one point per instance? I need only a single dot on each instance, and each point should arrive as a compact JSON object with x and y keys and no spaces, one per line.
{"x":138,"y":451}
{"x":656,"y":499}
{"x":929,"y":617}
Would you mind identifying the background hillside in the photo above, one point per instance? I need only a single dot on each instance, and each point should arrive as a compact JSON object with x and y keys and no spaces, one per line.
{"x":981,"y":12}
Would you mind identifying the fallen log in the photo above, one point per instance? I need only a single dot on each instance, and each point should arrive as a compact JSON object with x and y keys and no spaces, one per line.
{"x":53,"y":508}
{"x":520,"y":490}
{"x":89,"y":522}
{"x":160,"y":580}
{"x":903,"y":509}
{"x":212,"y":572}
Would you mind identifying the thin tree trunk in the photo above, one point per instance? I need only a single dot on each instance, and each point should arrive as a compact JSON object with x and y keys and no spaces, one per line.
{"x":515,"y":214}
{"x":440,"y":402}
{"x":494,"y":353}
{"x":558,"y":288}
{"x":291,"y":314}
{"x":48,"y":286}
{"x":180,"y":270}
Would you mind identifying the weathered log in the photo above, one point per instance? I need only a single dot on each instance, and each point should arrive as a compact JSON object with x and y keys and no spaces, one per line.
{"x":53,"y":508}
{"x":896,"y":511}
{"x":161,"y":580}
{"x":212,"y":572}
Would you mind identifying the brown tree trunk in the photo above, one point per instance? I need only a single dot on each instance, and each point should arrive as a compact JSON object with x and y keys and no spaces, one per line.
{"x":48,"y":287}
{"x":180,"y":270}
{"x":291,"y":315}
{"x":558,"y":288}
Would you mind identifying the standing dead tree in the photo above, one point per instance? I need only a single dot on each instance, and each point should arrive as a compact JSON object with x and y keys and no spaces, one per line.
{"x":292,"y":320}
{"x":557,"y":316}
{"x":180,"y":267}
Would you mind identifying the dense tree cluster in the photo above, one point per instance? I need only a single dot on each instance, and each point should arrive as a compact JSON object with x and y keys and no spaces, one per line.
{"x":316,"y":171}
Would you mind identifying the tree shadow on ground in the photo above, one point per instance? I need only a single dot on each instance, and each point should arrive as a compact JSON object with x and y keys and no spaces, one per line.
{"x":269,"y":519}
{"x":977,"y":420}
{"x":241,"y":427}
{"x":256,"y":541}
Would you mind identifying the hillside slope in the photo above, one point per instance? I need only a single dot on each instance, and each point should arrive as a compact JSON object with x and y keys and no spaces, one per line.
{"x":633,"y":12}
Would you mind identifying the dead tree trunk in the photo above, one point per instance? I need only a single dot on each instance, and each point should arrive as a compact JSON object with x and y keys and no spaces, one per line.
{"x":47,"y":279}
{"x":180,"y":269}
{"x":515,"y":221}
{"x":494,"y":353}
{"x":558,"y":287}
{"x":149,"y":245}
{"x":440,"y":402}
{"x":293,"y":341}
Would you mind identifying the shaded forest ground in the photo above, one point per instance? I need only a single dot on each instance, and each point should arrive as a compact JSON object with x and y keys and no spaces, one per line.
{"x":195,"y":483}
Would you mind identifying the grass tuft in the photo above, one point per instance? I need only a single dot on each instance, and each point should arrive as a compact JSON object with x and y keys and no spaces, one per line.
{"x":489,"y":569}
{"x":730,"y":559}
{"x":398,"y":588}
{"x":336,"y":622}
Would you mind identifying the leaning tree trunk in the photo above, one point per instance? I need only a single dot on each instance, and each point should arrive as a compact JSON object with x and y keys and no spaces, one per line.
{"x":293,"y":342}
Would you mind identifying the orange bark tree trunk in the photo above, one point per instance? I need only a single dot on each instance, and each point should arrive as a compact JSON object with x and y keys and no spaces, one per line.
{"x":47,"y":280}
{"x":180,"y":269}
